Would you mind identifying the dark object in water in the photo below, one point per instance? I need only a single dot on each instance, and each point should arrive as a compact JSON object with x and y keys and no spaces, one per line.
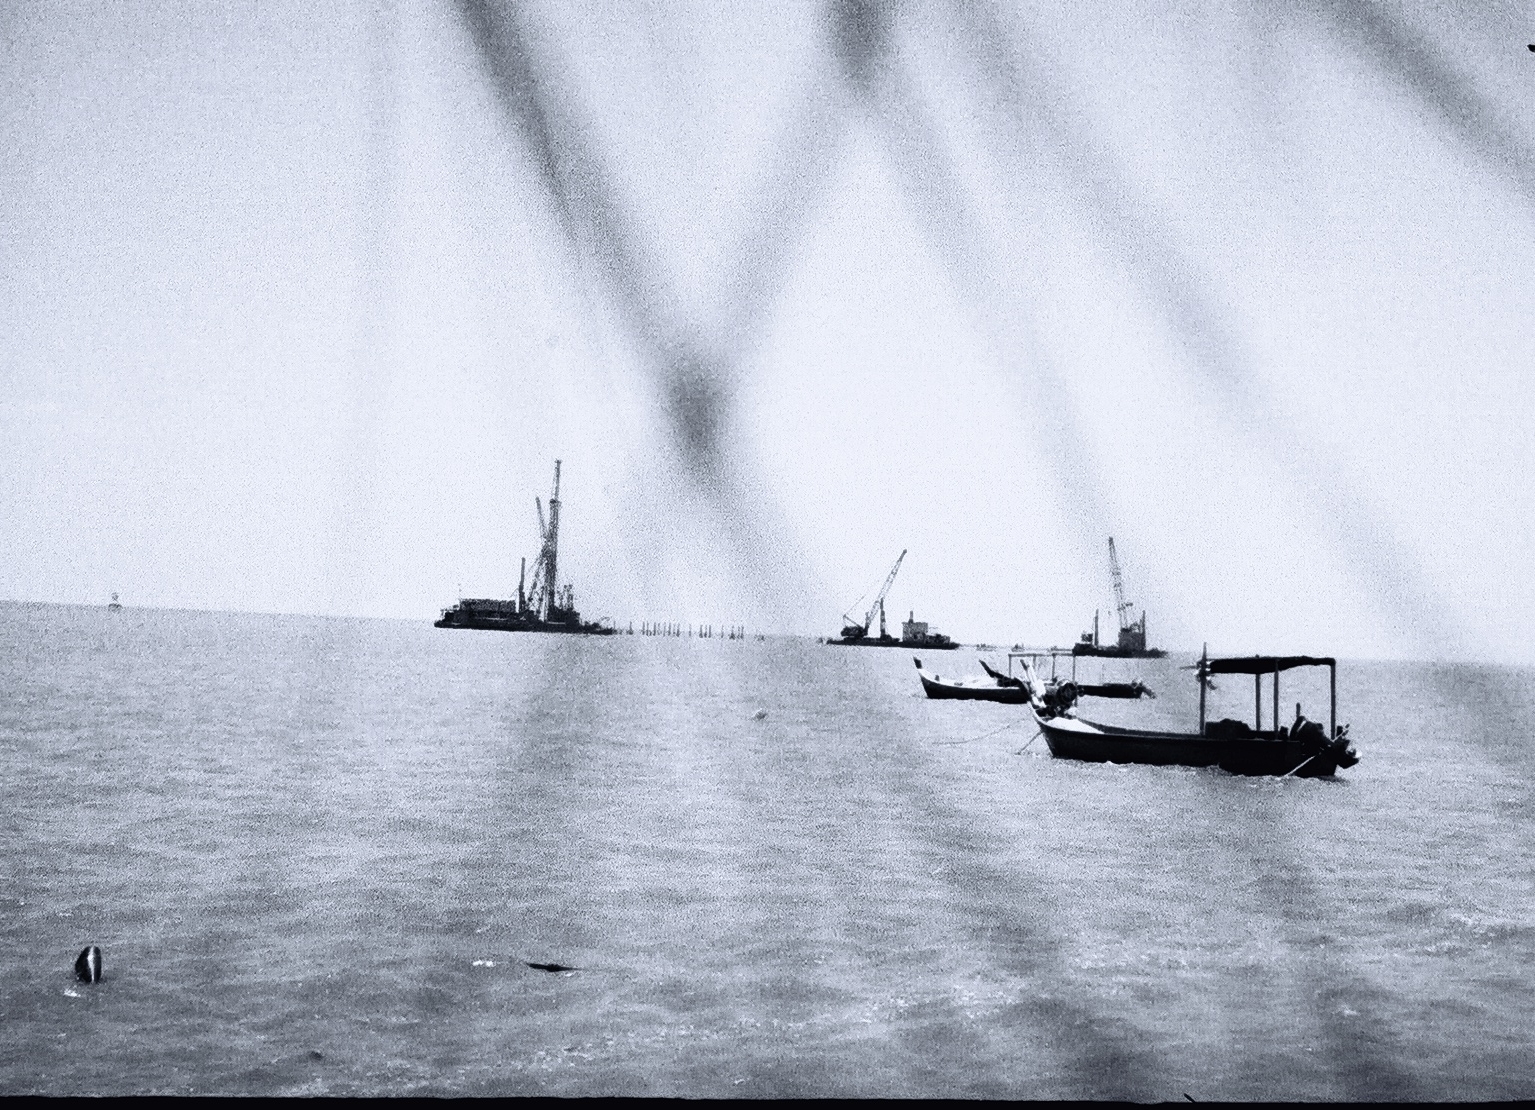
{"x":550,"y":967}
{"x":316,"y":1054}
{"x":88,"y":965}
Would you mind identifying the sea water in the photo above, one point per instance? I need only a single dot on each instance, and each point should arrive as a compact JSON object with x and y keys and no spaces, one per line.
{"x":320,"y":854}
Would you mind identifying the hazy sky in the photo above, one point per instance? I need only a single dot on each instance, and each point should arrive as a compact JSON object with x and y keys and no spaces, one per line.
{"x":299,"y":303}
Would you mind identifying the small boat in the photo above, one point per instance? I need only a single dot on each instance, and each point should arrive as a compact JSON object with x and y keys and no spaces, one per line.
{"x":1014,"y":690}
{"x":114,"y":603}
{"x":994,"y":687}
{"x":1302,"y":749}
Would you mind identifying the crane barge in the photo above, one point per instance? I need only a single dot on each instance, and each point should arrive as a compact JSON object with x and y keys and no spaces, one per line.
{"x":546,"y":606}
{"x":1132,"y":634}
{"x":914,"y":633}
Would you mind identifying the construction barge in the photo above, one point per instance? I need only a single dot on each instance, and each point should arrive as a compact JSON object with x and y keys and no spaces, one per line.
{"x":545,"y":606}
{"x":1132,"y":634}
{"x":914,"y":633}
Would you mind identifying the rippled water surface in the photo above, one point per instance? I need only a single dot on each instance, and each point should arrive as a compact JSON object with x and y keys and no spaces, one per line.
{"x":319,"y":854}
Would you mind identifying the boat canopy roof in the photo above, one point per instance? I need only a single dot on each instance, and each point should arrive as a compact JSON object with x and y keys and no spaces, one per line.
{"x":1265,"y":664}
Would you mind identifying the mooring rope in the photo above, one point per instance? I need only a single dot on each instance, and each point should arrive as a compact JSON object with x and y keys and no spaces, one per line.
{"x":1033,"y":738}
{"x":973,"y":739}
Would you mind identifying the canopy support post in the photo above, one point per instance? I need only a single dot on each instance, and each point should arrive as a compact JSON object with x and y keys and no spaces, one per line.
{"x":1257,"y":703}
{"x":1203,"y":678}
{"x":1332,"y":699}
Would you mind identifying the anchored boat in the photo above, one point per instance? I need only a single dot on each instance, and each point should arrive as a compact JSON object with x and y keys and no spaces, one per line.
{"x":1014,"y":690}
{"x":995,"y":686}
{"x":1302,"y":749}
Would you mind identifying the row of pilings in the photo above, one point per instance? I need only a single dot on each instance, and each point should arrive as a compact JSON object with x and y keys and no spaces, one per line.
{"x":702,"y":632}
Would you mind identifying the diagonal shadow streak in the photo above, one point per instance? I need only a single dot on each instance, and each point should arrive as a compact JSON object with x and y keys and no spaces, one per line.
{"x":592,"y":218}
{"x":942,"y":199}
{"x":1223,"y":362}
{"x":1461,"y":111}
{"x":860,"y":32}
{"x":1359,"y":1055}
{"x":861,"y":36}
{"x":696,"y":375}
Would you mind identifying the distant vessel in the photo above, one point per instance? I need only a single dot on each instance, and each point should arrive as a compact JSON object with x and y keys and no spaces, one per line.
{"x":1132,"y":634}
{"x":546,"y":607}
{"x":914,"y":633}
{"x":114,"y":603}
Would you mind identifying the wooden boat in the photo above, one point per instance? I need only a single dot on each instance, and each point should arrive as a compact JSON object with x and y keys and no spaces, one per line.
{"x":1302,"y":749}
{"x":1012,"y":690}
{"x":994,"y":687}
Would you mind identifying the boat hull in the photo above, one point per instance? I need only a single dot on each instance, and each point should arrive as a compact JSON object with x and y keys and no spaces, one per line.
{"x":1073,"y":738}
{"x":487,"y":623}
{"x":947,"y":691}
{"x":1102,"y":651}
{"x":891,"y":641}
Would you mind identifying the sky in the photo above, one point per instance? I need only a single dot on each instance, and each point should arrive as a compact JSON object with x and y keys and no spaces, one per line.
{"x":299,"y":304}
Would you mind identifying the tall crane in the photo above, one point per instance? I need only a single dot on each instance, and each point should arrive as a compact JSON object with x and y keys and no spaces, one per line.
{"x":1132,"y":634}
{"x":1121,"y":606}
{"x":853,"y":630}
{"x":545,"y":595}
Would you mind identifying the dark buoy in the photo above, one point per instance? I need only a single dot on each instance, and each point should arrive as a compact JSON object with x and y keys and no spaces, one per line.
{"x":88,"y":965}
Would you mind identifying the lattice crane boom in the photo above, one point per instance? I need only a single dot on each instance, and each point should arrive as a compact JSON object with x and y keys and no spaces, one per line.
{"x":544,"y":595}
{"x":1121,"y":606}
{"x":879,"y":598}
{"x":855,"y":629}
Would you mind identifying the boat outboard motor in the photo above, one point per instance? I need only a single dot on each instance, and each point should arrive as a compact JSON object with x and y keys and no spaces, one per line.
{"x":1060,"y":698}
{"x":1311,"y":736}
{"x":1343,"y":755}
